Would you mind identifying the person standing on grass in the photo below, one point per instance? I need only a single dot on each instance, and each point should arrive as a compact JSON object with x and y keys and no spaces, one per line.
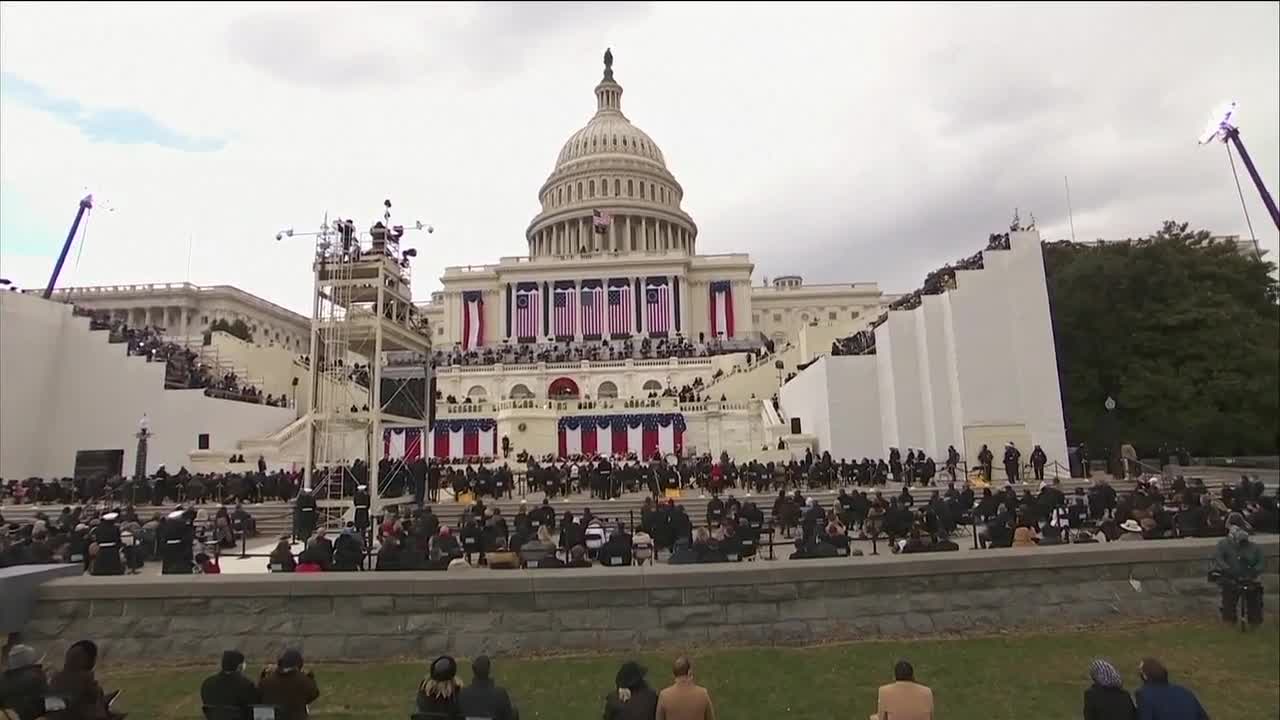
{"x":1158,"y":699}
{"x":287,"y":687}
{"x":904,"y":699}
{"x":684,"y":699}
{"x":633,"y":699}
{"x":1106,"y":698}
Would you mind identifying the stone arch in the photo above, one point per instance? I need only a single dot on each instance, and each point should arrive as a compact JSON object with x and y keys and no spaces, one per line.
{"x":520,"y":391}
{"x":651,"y":386}
{"x":563,"y":388}
{"x":477,"y":392}
{"x":608,"y":390}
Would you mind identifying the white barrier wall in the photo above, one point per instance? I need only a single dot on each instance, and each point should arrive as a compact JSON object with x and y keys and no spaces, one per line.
{"x":979,"y":356}
{"x":64,"y":388}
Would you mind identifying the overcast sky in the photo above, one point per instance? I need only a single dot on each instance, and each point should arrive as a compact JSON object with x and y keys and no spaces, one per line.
{"x":844,"y":143}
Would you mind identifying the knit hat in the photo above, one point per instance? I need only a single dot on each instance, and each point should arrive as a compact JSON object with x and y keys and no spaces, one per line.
{"x":232,"y":660}
{"x":443,"y":668}
{"x":1104,"y":674}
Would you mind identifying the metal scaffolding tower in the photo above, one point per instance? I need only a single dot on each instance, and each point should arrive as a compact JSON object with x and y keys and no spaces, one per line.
{"x":369,"y":362}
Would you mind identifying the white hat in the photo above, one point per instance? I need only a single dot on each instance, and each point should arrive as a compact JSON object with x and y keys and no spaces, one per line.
{"x":110,"y":516}
{"x":1131,"y":525}
{"x":176,"y":514}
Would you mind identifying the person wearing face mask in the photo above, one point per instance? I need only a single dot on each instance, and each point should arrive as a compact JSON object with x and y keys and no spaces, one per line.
{"x":229,"y":691}
{"x":1237,"y":559}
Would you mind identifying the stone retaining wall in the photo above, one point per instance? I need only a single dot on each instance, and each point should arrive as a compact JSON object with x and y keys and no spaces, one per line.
{"x":420,"y":614}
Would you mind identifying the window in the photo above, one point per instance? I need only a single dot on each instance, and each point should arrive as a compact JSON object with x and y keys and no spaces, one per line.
{"x":755,"y":318}
{"x":831,"y":315}
{"x":615,"y":141}
{"x":591,"y":188}
{"x":204,"y":319}
{"x":652,"y":386}
{"x":440,"y":330}
{"x":652,"y":194}
{"x":607,"y":391}
{"x":559,"y":195}
{"x":579,"y":189}
{"x":604,"y":187}
{"x":641,"y":191}
{"x":617,"y":186}
{"x":202,"y":441}
{"x":631,"y":191}
{"x":777,"y":317}
{"x":854,"y":315}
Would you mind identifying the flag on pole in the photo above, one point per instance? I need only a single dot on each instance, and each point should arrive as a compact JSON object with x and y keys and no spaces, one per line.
{"x":472,"y":319}
{"x":600,"y":221}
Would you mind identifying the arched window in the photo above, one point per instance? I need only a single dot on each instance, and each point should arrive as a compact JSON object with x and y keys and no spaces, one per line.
{"x":604,"y":187}
{"x":652,"y":194}
{"x":617,"y":187}
{"x":607,"y":391}
{"x":579,"y":189}
{"x":631,"y":191}
{"x":591,"y":188}
{"x":477,"y":392}
{"x":641,"y":191}
{"x":652,"y":386}
{"x":520,"y":391}
{"x":559,"y":195}
{"x":615,"y":141}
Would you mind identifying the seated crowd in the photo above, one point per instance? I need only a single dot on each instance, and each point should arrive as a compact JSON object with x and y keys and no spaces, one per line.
{"x":937,"y":282}
{"x":556,"y":351}
{"x":285,"y":689}
{"x":183,"y":368}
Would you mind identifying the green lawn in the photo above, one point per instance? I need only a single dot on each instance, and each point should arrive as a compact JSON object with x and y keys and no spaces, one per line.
{"x":1041,"y":676}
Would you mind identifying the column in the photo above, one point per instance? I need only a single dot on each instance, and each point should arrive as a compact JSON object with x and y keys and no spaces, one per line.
{"x":626,"y":242}
{"x":686,"y":308}
{"x":644,"y":231}
{"x":589,"y":237}
{"x":613,"y":238}
{"x":641,"y":302}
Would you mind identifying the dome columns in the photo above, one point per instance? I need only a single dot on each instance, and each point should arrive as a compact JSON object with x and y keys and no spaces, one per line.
{"x":629,"y":233}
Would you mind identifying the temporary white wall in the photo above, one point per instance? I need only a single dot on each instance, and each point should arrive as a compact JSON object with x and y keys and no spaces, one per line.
{"x":981,"y":355}
{"x":64,"y":388}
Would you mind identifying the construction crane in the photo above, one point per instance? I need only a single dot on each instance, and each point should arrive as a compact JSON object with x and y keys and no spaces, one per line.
{"x":86,"y":204}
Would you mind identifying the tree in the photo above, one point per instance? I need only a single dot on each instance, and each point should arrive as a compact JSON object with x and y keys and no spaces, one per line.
{"x":1181,"y":330}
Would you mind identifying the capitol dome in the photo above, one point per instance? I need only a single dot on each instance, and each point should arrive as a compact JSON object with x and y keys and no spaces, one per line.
{"x":610,"y":191}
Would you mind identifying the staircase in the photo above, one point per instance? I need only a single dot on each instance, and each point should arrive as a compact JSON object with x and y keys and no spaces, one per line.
{"x":761,"y":379}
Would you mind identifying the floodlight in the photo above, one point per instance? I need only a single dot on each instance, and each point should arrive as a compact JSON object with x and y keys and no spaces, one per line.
{"x":1221,"y":120}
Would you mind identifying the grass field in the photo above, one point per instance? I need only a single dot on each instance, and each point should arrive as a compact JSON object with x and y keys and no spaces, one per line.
{"x":1040,"y":676}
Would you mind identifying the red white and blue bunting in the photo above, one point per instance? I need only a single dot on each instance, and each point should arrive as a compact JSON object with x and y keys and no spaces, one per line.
{"x":645,"y":434}
{"x":450,"y":439}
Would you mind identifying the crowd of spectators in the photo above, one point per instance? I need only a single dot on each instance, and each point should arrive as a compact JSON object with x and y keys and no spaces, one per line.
{"x":183,"y":367}
{"x":285,"y":689}
{"x":937,"y":282}
{"x":595,"y":351}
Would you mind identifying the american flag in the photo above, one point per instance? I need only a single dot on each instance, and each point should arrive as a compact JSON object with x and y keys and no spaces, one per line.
{"x":593,"y":311}
{"x":527,"y":314}
{"x":600,"y":221}
{"x":564,"y":312}
{"x":620,"y":309}
{"x":657,"y":303}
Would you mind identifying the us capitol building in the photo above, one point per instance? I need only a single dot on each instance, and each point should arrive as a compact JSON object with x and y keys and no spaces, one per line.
{"x":611,"y":223}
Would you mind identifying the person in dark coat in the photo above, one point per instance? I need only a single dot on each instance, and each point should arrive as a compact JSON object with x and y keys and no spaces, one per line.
{"x":304,"y":515}
{"x":76,"y":685}
{"x":282,"y":559}
{"x":439,"y":691}
{"x":1038,"y":460}
{"x":107,"y":537}
{"x":287,"y":687}
{"x":1106,"y":698}
{"x":1160,"y":699}
{"x":482,"y":698}
{"x":23,"y":685}
{"x":360,"y":501}
{"x":633,"y":699}
{"x":348,"y":551}
{"x":229,"y":688}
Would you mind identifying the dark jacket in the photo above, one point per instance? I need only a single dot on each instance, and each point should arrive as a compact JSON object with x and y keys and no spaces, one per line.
{"x":1168,"y":702}
{"x":484,"y":699}
{"x":289,"y":691}
{"x":1108,"y":703}
{"x":642,"y":705}
{"x":76,"y":684}
{"x":230,"y":689}
{"x":23,"y":691}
